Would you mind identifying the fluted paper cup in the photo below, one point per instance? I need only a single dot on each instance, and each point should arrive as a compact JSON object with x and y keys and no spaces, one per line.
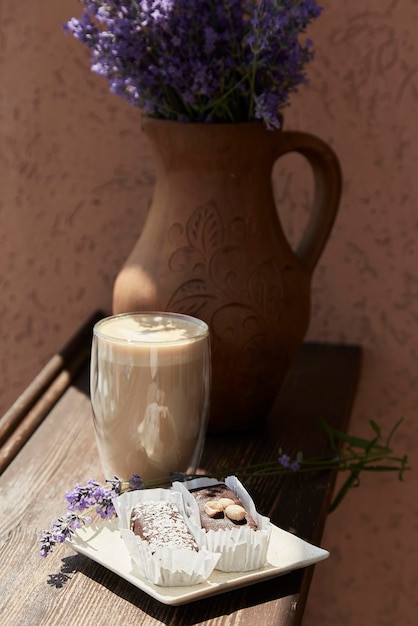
{"x":242,"y":548}
{"x":165,"y":566}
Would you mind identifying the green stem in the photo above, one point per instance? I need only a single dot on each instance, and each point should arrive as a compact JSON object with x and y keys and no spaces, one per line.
{"x":352,"y":481}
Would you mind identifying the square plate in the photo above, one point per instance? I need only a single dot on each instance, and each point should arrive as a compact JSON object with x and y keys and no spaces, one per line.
{"x":102,"y":543}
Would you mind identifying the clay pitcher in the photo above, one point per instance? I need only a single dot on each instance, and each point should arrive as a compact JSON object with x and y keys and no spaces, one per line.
{"x":213,"y":247}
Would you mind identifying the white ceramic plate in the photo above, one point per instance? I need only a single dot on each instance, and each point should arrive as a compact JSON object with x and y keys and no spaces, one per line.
{"x":103,"y":543}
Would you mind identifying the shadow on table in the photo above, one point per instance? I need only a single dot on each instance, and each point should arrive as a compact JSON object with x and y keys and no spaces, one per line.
{"x":284,"y":587}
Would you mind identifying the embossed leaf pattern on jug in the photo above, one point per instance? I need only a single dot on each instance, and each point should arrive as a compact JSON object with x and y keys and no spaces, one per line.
{"x":213,"y":247}
{"x":214,"y":255}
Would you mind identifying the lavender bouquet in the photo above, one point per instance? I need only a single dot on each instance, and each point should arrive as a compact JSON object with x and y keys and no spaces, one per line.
{"x":222,"y":61}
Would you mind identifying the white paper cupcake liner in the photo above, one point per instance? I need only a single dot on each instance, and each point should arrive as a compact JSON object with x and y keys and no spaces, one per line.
{"x":165,"y":566}
{"x":242,"y":549}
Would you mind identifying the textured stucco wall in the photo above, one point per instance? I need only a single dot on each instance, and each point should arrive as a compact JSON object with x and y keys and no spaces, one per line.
{"x":75,"y":183}
{"x":363,"y":99}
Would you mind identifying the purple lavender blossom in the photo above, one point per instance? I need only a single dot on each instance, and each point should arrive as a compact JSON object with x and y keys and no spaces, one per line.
{"x":195,"y":60}
{"x":136,"y":482}
{"x":178,"y":476}
{"x":115,"y":485}
{"x":61,"y":530}
{"x":64,"y":526}
{"x":105,"y":507}
{"x":284,"y":460}
{"x":47,"y":543}
{"x":82,"y":497}
{"x":93,"y":496}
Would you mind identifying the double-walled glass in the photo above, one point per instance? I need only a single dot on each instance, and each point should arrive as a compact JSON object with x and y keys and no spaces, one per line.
{"x":150,"y":388}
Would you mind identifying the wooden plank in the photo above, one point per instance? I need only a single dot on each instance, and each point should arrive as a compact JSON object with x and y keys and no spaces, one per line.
{"x":66,"y":588}
{"x":25,"y":415}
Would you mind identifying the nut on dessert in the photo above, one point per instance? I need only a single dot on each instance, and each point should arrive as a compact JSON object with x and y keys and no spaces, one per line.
{"x":235,"y":512}
{"x":213,"y":507}
{"x":224,"y":502}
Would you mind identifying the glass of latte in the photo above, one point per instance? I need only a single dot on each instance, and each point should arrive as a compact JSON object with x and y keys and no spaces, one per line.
{"x":150,"y":385}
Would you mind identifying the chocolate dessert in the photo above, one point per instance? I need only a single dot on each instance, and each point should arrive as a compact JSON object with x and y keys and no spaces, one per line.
{"x":160,"y":524}
{"x":220,"y":508}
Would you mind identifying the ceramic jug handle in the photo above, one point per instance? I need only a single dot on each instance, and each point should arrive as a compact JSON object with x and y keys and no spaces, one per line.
{"x":327,"y":192}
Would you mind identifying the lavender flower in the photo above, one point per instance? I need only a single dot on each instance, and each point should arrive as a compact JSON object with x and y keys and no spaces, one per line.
{"x":105,"y":507}
{"x":92,"y":497}
{"x":284,"y":460}
{"x":178,"y":476}
{"x":61,"y":530}
{"x":200,"y":61}
{"x":136,"y":482}
{"x":82,"y":497}
{"x":115,"y":485}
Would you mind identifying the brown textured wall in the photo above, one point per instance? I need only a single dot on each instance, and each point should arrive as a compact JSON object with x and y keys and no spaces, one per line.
{"x":363,"y":99}
{"x":75,"y":182}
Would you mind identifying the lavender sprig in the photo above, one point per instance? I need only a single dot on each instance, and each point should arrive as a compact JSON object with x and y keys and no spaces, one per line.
{"x":349,"y":454}
{"x":197,"y":60}
{"x":90,"y":498}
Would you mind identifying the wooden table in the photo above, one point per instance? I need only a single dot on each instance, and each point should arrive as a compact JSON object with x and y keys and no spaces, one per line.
{"x":47,"y":445}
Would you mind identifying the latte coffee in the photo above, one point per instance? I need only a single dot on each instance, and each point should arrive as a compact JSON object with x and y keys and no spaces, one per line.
{"x":150,"y":386}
